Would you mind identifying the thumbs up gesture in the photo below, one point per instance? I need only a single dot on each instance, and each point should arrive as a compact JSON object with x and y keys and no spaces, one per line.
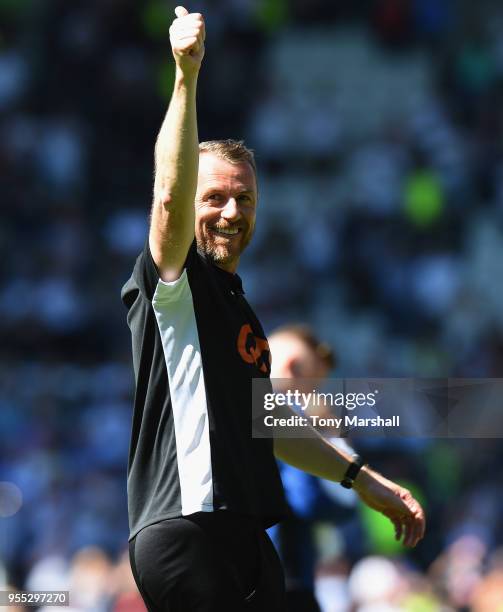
{"x":187,"y":35}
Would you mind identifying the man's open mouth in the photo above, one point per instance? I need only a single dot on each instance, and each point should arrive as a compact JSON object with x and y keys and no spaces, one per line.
{"x":226,"y":231}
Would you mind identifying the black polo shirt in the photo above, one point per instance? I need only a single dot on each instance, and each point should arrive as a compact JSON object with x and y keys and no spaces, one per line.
{"x":197,"y":345}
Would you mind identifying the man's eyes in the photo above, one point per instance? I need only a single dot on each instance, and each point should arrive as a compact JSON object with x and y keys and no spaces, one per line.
{"x":217,"y":197}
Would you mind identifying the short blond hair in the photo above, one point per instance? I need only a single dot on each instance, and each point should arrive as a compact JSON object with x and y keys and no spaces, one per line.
{"x":233,"y":151}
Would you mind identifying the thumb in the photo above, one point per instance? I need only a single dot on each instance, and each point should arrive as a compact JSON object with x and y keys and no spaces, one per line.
{"x":181,"y":11}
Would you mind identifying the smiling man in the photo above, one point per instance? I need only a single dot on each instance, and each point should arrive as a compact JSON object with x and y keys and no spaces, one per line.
{"x":201,"y":490}
{"x":226,"y":201}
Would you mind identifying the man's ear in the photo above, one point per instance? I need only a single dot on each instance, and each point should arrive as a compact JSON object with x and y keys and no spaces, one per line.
{"x":285,"y":368}
{"x":295,"y":368}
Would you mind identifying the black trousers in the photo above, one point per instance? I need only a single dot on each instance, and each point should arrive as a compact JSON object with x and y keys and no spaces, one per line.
{"x":207,"y":562}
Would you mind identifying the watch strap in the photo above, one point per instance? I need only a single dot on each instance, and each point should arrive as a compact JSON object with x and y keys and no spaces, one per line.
{"x":352,"y":472}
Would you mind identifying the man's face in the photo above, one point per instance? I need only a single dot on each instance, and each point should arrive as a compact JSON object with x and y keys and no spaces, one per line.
{"x":293,"y":358}
{"x":226,"y":201}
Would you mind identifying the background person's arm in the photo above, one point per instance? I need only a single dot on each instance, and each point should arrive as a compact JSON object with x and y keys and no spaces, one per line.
{"x":177,"y":152}
{"x":318,"y":457}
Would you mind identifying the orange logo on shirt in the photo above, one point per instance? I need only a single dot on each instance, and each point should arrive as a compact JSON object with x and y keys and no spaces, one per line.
{"x":254,"y":349}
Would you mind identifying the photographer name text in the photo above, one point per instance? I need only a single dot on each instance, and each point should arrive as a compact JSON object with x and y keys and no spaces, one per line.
{"x":313,"y":420}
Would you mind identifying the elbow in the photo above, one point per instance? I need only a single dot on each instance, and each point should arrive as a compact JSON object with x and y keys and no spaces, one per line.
{"x":163,"y":199}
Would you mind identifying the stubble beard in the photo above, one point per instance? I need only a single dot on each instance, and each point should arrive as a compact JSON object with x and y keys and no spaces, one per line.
{"x":220,"y":254}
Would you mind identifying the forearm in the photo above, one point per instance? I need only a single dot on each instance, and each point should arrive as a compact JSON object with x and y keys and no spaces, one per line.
{"x":176,"y":167}
{"x":318,"y":457}
{"x":177,"y":148}
{"x":314,"y":455}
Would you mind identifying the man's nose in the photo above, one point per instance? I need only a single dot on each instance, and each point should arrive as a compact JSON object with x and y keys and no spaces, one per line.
{"x":231,"y":209}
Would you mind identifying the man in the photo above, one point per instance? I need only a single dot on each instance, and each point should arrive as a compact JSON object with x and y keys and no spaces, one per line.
{"x":201,"y":490}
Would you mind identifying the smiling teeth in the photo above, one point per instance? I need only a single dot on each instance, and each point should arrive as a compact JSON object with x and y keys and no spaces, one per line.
{"x":230,"y":231}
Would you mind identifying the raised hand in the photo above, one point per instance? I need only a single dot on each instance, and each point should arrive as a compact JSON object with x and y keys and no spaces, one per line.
{"x":187,"y":34}
{"x":393,"y":501}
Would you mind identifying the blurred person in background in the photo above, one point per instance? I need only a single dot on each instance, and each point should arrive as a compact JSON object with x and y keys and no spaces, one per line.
{"x":126,"y":597}
{"x":199,"y":498}
{"x":95,"y":582}
{"x":300,"y":358}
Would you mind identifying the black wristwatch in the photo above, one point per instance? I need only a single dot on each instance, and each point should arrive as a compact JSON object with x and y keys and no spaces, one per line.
{"x":352,"y":472}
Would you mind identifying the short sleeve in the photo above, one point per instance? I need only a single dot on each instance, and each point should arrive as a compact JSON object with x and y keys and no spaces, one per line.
{"x":145,"y":277}
{"x":145,"y":273}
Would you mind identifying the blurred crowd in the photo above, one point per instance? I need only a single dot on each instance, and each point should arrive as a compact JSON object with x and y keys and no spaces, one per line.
{"x":377,"y":127}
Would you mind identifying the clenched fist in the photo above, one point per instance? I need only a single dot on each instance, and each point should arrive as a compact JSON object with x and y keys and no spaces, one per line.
{"x":187,"y":35}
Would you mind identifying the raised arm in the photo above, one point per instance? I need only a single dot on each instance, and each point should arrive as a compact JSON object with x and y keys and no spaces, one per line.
{"x":177,"y":152}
